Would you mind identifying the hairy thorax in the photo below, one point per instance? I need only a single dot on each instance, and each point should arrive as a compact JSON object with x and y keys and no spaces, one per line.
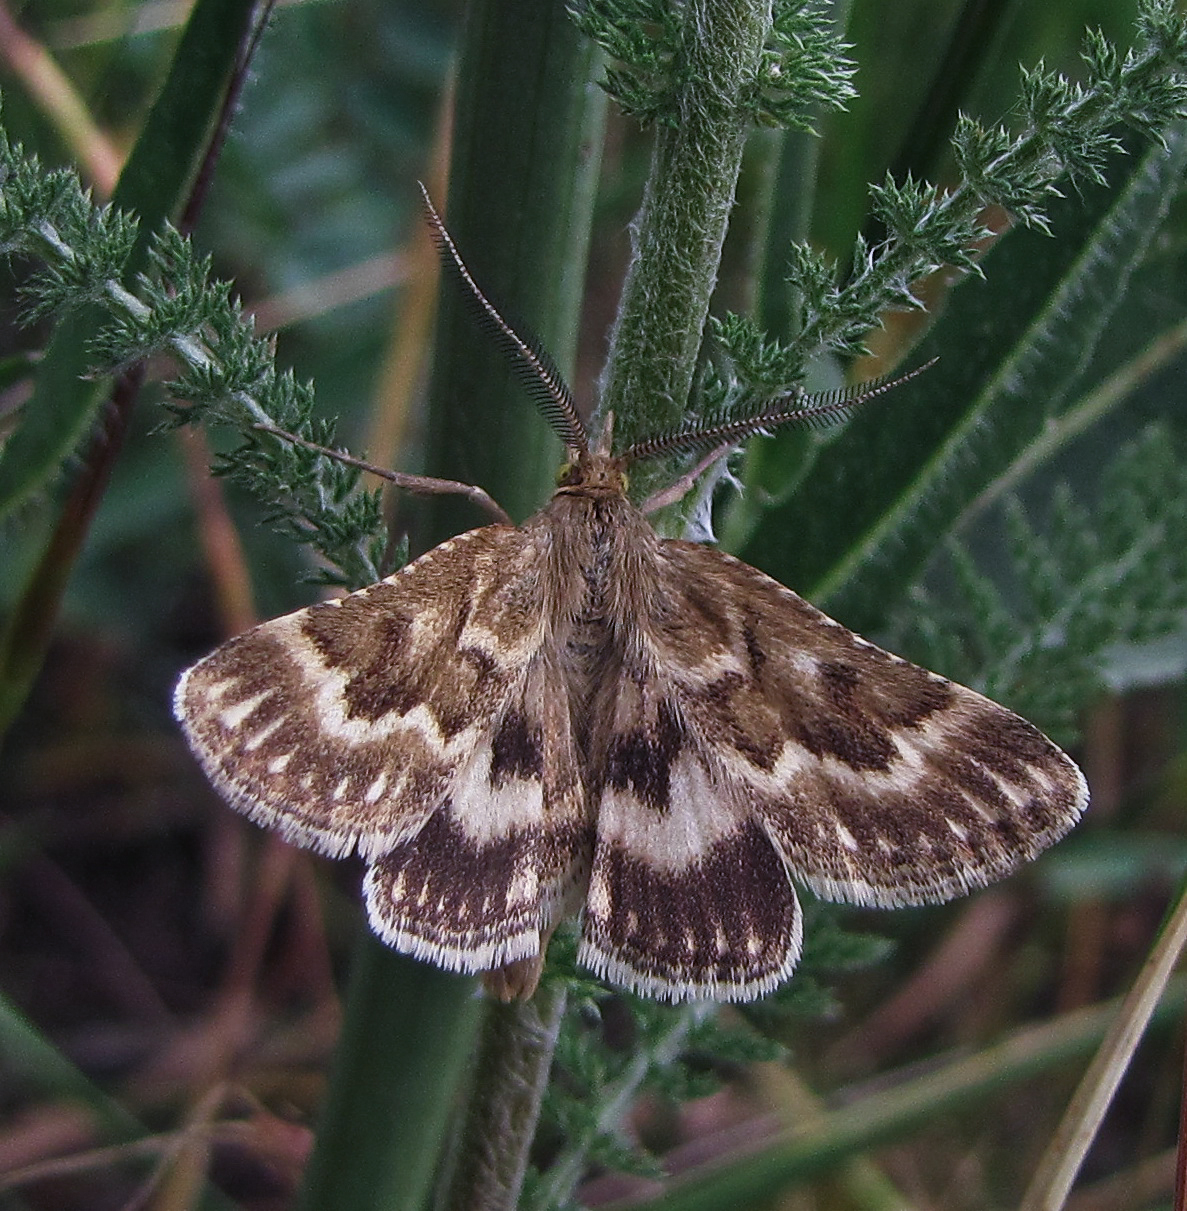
{"x":603,"y":552}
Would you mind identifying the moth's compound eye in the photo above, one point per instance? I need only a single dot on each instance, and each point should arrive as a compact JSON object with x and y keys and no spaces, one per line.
{"x":564,"y":475}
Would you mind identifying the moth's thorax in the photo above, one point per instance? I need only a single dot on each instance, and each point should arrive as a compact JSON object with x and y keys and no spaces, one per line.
{"x":602,"y":554}
{"x":601,"y":548}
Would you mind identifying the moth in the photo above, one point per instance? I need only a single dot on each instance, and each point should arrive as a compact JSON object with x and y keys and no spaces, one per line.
{"x":577,"y":716}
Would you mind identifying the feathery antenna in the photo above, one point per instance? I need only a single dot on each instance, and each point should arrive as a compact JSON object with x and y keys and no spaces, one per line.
{"x":530,"y":364}
{"x":813,"y":411}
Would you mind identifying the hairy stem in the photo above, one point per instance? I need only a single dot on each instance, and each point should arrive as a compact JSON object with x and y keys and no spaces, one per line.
{"x":510,"y":1076}
{"x":680,"y":228}
{"x":565,"y":1171}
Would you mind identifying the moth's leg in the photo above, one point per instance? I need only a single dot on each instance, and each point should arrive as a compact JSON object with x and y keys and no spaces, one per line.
{"x":681,"y":488}
{"x":421,"y":485}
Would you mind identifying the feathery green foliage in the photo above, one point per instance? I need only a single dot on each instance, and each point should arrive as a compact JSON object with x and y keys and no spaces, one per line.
{"x":1068,"y":132}
{"x":613,"y":1047}
{"x":803,"y":68}
{"x":227,"y":374}
{"x":1083,"y":591}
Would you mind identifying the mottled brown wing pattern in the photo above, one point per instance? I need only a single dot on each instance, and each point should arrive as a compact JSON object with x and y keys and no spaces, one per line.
{"x":506,"y":855}
{"x":688,"y":897}
{"x":880,"y":783}
{"x":345,"y":724}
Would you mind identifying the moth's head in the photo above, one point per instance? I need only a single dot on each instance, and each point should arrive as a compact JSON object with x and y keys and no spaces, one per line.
{"x":590,"y":474}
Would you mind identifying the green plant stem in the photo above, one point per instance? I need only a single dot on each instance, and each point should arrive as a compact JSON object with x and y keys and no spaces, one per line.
{"x":510,"y":1076}
{"x":880,"y":1119}
{"x":520,"y":198}
{"x":681,"y":225}
{"x":29,"y":628}
{"x":381,"y":1128}
{"x":154,"y":179}
{"x":522,"y":178}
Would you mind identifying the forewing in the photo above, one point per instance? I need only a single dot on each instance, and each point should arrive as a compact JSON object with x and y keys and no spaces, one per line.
{"x":688,"y":896}
{"x":346,"y":724}
{"x":881,"y":783}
